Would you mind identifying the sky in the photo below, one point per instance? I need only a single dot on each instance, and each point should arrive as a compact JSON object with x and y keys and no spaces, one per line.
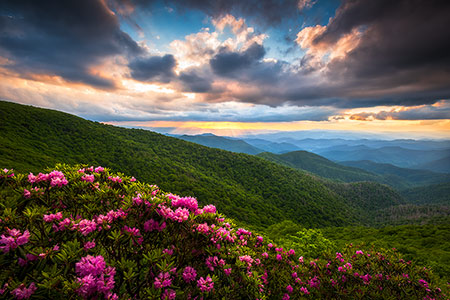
{"x":233,"y":67}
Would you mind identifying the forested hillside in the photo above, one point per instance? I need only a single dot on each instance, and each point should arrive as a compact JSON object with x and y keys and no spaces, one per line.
{"x":321,"y":166}
{"x":247,"y":188}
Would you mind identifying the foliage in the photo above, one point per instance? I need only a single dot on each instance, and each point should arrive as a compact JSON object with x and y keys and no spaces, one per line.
{"x":83,"y":232}
{"x":427,"y":244}
{"x":413,"y":214}
{"x":429,"y":194}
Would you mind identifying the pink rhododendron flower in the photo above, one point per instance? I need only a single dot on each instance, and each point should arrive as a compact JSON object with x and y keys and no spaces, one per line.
{"x":95,"y":277}
{"x":189,"y":274}
{"x":246,"y":258}
{"x":169,"y":295}
{"x":52,"y":217}
{"x":22,"y":292}
{"x":99,"y":169}
{"x":186,"y":202}
{"x":209,"y":209}
{"x":26,"y":193}
{"x":115,"y":179}
{"x":205,"y":285}
{"x":86,"y":226}
{"x":88,"y":178}
{"x":304,"y":290}
{"x":14,"y":239}
{"x":89,"y":245}
{"x":163,"y":280}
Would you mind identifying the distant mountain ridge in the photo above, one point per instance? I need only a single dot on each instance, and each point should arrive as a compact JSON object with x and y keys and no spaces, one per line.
{"x":214,"y":141}
{"x":394,"y":155}
{"x":411,"y":176}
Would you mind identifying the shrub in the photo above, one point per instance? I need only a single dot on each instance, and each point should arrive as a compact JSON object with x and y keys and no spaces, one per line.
{"x":82,"y":232}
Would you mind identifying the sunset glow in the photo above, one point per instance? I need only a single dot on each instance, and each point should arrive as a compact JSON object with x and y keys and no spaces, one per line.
{"x":230,"y":70}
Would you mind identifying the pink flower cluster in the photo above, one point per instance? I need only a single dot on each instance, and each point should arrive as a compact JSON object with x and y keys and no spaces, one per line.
{"x":13,"y":239}
{"x":56,"y":178}
{"x":89,"y":245}
{"x":52,"y":217}
{"x":35,"y":190}
{"x":186,"y":202}
{"x":115,"y":179}
{"x":88,"y":178}
{"x":85,"y":226}
{"x":246,"y":258}
{"x":213,"y":261}
{"x":91,"y":169}
{"x":189,"y":274}
{"x":163,"y":280}
{"x":179,"y":215}
{"x":205,"y":285}
{"x":95,"y":278}
{"x":22,"y":292}
{"x":169,"y":294}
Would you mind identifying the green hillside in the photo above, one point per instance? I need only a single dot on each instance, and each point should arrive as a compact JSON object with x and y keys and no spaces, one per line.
{"x":430,"y":194}
{"x":320,"y":166}
{"x":247,"y":188}
{"x":427,"y":244}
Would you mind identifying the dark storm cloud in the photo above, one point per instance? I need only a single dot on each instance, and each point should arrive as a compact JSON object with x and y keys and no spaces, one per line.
{"x":154,"y":68}
{"x":226,"y":62}
{"x":193,"y":82}
{"x":64,"y":38}
{"x":403,"y":43}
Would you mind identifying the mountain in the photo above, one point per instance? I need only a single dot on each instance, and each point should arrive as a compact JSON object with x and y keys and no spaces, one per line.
{"x":439,"y":165}
{"x":397,"y":156}
{"x":411,"y":177}
{"x":312,"y":140}
{"x":249,"y":189}
{"x":213,"y":141}
{"x":320,"y":166}
{"x":272,"y":146}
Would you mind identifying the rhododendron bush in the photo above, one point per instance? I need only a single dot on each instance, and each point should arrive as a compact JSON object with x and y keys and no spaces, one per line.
{"x":83,"y":232}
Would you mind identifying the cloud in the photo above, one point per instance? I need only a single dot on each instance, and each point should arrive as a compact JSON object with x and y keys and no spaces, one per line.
{"x":305,"y":4}
{"x":226,"y":62}
{"x":439,"y":110}
{"x":193,"y":82}
{"x":153,"y":68}
{"x":64,"y":38}
{"x":401,"y":44}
